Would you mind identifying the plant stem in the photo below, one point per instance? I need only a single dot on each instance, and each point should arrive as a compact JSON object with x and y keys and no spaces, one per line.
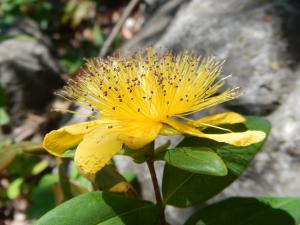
{"x":64,"y":179}
{"x":150,"y":165}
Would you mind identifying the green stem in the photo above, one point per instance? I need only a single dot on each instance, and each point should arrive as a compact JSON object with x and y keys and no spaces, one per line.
{"x":64,"y":179}
{"x":157,"y":191}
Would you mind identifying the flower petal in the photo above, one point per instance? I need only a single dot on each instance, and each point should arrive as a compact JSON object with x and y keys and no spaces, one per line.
{"x":167,"y":130}
{"x":58,"y":141}
{"x":139,"y":133}
{"x":218,"y":119}
{"x":238,"y":139}
{"x":96,"y":149}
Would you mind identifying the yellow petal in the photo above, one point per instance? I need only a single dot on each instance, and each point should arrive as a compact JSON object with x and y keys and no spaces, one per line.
{"x":218,"y":119}
{"x":58,"y":141}
{"x":167,"y":130}
{"x":238,"y":139}
{"x":139,"y":133}
{"x":96,"y":149}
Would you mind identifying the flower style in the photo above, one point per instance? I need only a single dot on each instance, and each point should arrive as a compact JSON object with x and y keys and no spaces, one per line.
{"x":138,"y":98}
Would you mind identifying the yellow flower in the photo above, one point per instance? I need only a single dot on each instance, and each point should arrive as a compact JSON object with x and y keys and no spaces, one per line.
{"x":140,"y":97}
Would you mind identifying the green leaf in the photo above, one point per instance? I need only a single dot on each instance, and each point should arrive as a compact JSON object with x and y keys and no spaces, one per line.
{"x":14,"y":189}
{"x":129,"y":176}
{"x":32,"y":148}
{"x":42,"y":197}
{"x":40,"y":167}
{"x":68,"y":154}
{"x":109,"y":179}
{"x":4,"y":117}
{"x":189,"y":188}
{"x":250,"y":211}
{"x":97,"y":36}
{"x":196,"y":160}
{"x":99,"y":208}
{"x":77,"y":177}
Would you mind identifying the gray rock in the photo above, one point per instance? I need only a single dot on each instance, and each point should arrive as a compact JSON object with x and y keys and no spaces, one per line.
{"x":275,"y":170}
{"x":25,"y":27}
{"x":158,"y":16}
{"x":28,"y":73}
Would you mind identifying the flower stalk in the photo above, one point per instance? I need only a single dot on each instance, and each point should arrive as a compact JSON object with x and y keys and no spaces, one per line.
{"x":156,"y":188}
{"x":64,"y":179}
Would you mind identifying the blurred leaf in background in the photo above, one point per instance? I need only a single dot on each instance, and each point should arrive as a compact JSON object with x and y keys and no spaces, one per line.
{"x":12,"y":10}
{"x":76,"y":28}
{"x":4,"y":117}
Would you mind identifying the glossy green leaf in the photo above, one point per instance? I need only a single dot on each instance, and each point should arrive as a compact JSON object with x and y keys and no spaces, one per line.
{"x":196,"y":160}
{"x":190,"y":188}
{"x":99,"y":208}
{"x":250,"y":211}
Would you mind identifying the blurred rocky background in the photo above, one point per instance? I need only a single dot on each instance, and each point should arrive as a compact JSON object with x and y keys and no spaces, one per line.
{"x":41,"y":45}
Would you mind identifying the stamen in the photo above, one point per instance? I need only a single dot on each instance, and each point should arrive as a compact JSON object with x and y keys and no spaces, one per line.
{"x":149,"y":87}
{"x":217,"y":127}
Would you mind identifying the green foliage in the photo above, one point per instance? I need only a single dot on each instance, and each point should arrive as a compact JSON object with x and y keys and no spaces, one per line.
{"x":72,"y":60}
{"x":14,"y":189}
{"x":75,"y":13}
{"x":69,"y":154}
{"x":39,"y":167}
{"x":97,"y":36}
{"x":4,"y":117}
{"x":102,"y":208}
{"x":250,"y":211}
{"x":75,"y":176}
{"x":7,"y":154}
{"x":109,"y":179}
{"x":23,"y":170}
{"x":12,"y":10}
{"x":42,"y":197}
{"x":196,"y":160}
{"x":191,"y":188}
